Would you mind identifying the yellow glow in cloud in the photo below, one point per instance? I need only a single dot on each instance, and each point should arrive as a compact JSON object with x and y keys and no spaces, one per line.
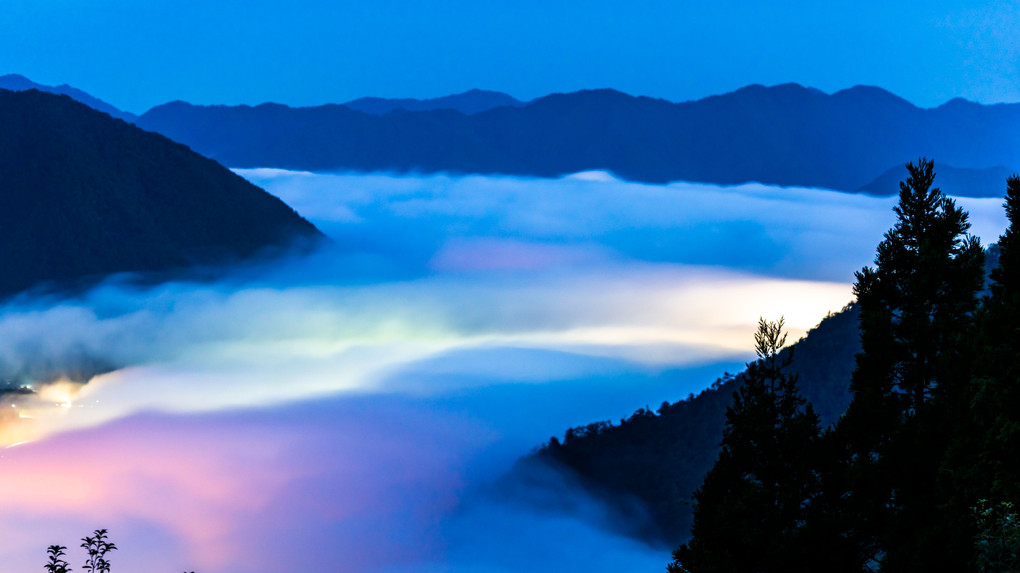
{"x":296,"y":345}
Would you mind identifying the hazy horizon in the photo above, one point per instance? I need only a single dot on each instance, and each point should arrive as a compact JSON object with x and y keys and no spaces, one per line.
{"x":526,"y":100}
{"x":311,"y":52}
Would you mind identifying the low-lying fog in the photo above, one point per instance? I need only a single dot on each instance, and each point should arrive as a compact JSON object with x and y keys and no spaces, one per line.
{"x":349,"y":410}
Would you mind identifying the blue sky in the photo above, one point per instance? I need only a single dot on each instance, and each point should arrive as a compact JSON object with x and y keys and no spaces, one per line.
{"x":302,"y":52}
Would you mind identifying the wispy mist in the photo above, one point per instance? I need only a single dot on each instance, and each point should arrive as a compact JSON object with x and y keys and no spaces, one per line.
{"x":351,"y":409}
{"x":788,"y":232}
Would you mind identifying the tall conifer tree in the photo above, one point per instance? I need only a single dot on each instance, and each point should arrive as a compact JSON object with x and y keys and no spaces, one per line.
{"x":749,"y":509}
{"x":911,"y":381}
{"x":994,"y":442}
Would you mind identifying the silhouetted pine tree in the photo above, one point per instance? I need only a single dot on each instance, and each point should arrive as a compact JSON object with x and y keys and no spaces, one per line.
{"x":911,"y":385}
{"x":985,"y":457}
{"x":751,"y":504}
{"x":997,"y":400}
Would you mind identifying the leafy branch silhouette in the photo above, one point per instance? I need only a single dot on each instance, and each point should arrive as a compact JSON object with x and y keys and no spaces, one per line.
{"x":97,"y":547}
{"x":56,"y":564}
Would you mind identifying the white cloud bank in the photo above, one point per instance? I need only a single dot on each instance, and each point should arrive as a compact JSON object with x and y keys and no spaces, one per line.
{"x":348,"y":407}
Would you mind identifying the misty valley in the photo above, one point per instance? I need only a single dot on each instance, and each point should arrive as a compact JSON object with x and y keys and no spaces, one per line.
{"x":388,"y":382}
{"x":367,"y":401}
{"x":474,"y":333}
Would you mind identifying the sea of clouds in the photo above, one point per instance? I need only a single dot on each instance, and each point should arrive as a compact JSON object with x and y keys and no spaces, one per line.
{"x":351,"y":408}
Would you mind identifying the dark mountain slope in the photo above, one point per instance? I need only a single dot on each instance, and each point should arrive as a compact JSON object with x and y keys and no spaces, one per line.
{"x":17,"y":83}
{"x":83,"y":195}
{"x":660,"y":458}
{"x":786,"y":135}
{"x":468,"y":103}
{"x":988,"y":182}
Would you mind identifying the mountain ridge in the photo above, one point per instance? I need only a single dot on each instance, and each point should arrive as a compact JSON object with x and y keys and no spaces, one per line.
{"x":470,"y":102}
{"x":17,"y":82}
{"x":563,"y":133}
{"x":784,"y":135}
{"x":985,"y":182}
{"x":84,"y":195}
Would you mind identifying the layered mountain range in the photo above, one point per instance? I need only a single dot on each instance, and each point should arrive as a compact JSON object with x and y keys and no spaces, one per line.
{"x":853,"y":140}
{"x":784,"y":135}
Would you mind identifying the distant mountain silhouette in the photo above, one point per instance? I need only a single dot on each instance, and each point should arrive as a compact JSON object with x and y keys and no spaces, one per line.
{"x":784,"y":135}
{"x":84,"y":195}
{"x":17,"y":83}
{"x":989,"y":182}
{"x":468,"y":103}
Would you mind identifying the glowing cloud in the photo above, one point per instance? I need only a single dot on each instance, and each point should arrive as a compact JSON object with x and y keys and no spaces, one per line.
{"x":352,"y":404}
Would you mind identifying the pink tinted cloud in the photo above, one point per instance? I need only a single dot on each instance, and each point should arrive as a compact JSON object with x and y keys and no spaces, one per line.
{"x":487,"y":254}
{"x":262,"y":491}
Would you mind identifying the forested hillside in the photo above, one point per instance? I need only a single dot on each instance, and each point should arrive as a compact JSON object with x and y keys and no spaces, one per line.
{"x":660,"y":457}
{"x":84,"y":195}
{"x":900,"y":459}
